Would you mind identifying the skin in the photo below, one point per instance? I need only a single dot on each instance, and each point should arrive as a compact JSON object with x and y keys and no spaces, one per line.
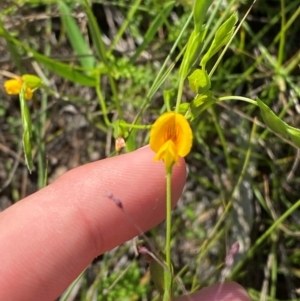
{"x":48,"y":238}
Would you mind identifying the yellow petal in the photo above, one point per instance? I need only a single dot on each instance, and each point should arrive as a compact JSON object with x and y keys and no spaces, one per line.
{"x":161,"y":130}
{"x":13,"y":86}
{"x":184,"y":136}
{"x":167,"y":153}
{"x":28,"y":93}
{"x":171,"y":137}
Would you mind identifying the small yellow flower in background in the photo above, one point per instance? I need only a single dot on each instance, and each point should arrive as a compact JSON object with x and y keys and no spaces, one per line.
{"x":14,"y":86}
{"x":171,"y":138}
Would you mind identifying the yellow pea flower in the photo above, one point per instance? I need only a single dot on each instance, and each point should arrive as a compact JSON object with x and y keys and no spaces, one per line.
{"x":171,"y":138}
{"x":14,"y":86}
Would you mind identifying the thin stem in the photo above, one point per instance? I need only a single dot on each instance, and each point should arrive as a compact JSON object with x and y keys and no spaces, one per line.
{"x":230,"y":40}
{"x":102,"y":103}
{"x":160,"y":78}
{"x":168,"y":273}
{"x":125,"y":25}
{"x":282,"y":36}
{"x":137,"y":126}
{"x":168,"y":218}
{"x":42,"y":118}
{"x":115,"y":95}
{"x":231,"y":97}
{"x":223,"y":140}
{"x":179,"y":94}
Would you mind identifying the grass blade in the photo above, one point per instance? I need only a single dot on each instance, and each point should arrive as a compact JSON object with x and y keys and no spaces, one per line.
{"x":27,"y":130}
{"x":75,"y":37}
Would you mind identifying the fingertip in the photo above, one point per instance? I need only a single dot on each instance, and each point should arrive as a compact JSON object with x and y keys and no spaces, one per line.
{"x":77,"y":221}
{"x":179,"y":171}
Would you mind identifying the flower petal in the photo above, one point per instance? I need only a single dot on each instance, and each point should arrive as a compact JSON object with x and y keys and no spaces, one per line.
{"x":28,"y":93}
{"x":167,"y":153}
{"x":171,"y":137}
{"x":13,"y":86}
{"x":159,"y":130}
{"x":185,"y":136}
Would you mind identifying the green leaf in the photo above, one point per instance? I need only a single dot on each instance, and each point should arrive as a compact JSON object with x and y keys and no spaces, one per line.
{"x":200,"y":9}
{"x":75,"y":37}
{"x":221,"y":38}
{"x":96,"y":34}
{"x":271,"y":120}
{"x":153,"y":28}
{"x":201,"y":103}
{"x":66,"y":71}
{"x":294,"y":135}
{"x":192,"y":52}
{"x":26,"y":122}
{"x":183,"y":108}
{"x":199,"y":81}
{"x":161,"y":277}
{"x":131,"y":141}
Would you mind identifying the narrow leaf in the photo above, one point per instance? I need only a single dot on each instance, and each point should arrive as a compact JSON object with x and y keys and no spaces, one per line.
{"x":221,"y":38}
{"x":200,"y":9}
{"x":161,"y":277}
{"x":271,"y":120}
{"x":152,"y":30}
{"x":131,"y":141}
{"x":75,"y":37}
{"x":26,"y":122}
{"x":96,"y":34}
{"x":192,"y":52}
{"x":64,"y":70}
{"x":294,"y":135}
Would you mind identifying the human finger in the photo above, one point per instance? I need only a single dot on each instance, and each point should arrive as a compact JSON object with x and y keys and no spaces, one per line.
{"x":48,"y":238}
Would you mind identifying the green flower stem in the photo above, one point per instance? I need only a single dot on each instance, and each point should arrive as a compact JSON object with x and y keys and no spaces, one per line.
{"x":179,"y":94}
{"x":137,"y":126}
{"x":222,"y":140}
{"x":102,"y":102}
{"x":115,"y":95}
{"x":168,"y":218}
{"x":168,"y":276}
{"x":246,"y":99}
{"x":161,"y":76}
{"x":135,"y":6}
